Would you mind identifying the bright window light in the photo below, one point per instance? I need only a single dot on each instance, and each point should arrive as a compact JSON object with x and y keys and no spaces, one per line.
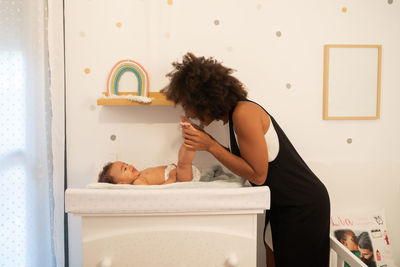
{"x":12,"y":167}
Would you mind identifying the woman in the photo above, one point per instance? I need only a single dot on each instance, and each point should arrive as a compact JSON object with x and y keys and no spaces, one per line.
{"x":366,"y":250}
{"x":261,"y":153}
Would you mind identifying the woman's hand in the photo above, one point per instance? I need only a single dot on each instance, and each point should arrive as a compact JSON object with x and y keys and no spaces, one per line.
{"x":194,"y":137}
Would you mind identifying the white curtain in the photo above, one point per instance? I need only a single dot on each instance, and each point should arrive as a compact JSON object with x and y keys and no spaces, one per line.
{"x":26,"y":165}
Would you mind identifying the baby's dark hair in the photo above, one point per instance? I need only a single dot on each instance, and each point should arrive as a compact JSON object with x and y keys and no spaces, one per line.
{"x":104,"y":175}
{"x":341,"y":234}
{"x":205,"y":86}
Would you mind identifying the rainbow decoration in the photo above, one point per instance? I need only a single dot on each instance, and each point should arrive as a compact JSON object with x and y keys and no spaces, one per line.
{"x":143,"y":81}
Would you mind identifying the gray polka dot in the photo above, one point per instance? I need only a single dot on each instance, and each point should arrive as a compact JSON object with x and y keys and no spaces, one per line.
{"x":390,"y":2}
{"x":216,"y":22}
{"x":288,"y":86}
{"x":349,"y":140}
{"x":278,"y":34}
{"x":113,"y":137}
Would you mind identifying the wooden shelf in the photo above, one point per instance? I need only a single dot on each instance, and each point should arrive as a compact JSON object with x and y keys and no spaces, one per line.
{"x":158,"y":99}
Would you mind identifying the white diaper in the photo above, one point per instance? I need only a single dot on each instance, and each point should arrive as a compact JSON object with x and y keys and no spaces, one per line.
{"x":195,"y":172}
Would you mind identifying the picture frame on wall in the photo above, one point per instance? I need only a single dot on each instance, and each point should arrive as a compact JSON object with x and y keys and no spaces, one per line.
{"x":352,"y":82}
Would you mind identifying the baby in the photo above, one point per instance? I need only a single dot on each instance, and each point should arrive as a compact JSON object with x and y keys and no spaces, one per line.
{"x":119,"y":172}
{"x":348,"y":238}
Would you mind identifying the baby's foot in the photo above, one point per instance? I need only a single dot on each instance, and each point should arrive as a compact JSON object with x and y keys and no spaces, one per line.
{"x":187,"y":125}
{"x":185,"y":120}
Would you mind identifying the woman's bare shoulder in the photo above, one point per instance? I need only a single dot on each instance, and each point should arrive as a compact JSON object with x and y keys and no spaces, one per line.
{"x":247,"y":107}
{"x":247,"y":113}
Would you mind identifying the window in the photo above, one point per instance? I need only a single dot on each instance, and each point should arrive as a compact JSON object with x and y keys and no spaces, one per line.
{"x":12,"y":168}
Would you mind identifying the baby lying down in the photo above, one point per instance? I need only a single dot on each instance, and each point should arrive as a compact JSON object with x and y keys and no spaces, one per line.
{"x":119,"y":172}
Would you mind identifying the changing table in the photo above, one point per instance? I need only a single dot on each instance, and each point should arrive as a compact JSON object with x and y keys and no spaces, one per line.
{"x":169,"y":226}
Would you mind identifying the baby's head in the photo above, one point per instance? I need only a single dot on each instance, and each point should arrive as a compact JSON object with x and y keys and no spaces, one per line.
{"x":118,"y":172}
{"x":347,"y":238}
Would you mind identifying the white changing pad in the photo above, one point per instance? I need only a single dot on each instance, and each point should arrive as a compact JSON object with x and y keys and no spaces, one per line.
{"x":213,"y":184}
{"x":172,"y":198}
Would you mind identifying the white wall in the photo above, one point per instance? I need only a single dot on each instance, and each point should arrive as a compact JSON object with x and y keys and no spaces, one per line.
{"x":362,"y":174}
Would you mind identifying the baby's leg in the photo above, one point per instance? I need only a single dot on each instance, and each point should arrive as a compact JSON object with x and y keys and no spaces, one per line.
{"x":185,"y":158}
{"x":186,"y":155}
{"x":171,"y":177}
{"x":184,"y":168}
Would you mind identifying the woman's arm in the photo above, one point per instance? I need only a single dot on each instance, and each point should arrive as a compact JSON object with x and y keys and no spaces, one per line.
{"x":250,"y":129}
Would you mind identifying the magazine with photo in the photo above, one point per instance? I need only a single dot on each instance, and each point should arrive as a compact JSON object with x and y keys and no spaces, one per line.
{"x":365,"y":235}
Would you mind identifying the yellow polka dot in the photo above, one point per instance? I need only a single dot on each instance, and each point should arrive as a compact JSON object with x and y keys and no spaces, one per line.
{"x":344,"y":9}
{"x":87,"y":70}
{"x":170,"y":2}
{"x":118,"y":24}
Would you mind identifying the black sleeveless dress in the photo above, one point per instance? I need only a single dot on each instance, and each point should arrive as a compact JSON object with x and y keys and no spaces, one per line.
{"x":300,"y":206}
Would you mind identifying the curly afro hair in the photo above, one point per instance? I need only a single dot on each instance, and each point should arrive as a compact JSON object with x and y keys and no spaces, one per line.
{"x":204,"y":86}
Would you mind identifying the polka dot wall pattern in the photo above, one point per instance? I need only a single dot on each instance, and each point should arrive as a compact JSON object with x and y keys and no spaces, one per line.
{"x":216,"y":22}
{"x":166,"y":35}
{"x":219,"y":22}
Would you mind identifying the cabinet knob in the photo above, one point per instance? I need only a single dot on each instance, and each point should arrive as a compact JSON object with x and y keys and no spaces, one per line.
{"x":232,"y":260}
{"x":106,"y":262}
